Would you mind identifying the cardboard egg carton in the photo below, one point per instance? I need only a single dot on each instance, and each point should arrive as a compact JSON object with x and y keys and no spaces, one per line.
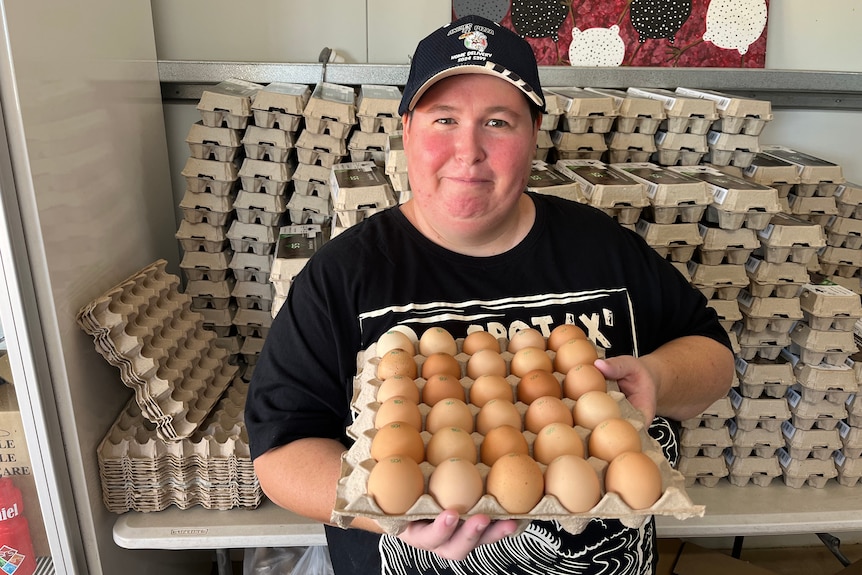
{"x":251,"y":348}
{"x":270,"y":144}
{"x":684,"y":114}
{"x":395,"y":158}
{"x":765,"y":344}
{"x":368,"y":146}
{"x":258,"y":208}
{"x":825,"y":383}
{"x":810,"y":443}
{"x":680,"y":149}
{"x":144,"y":327}
{"x":311,"y":180}
{"x":844,"y":262}
{"x":219,"y":320}
{"x":573,"y":146}
{"x":545,"y":179}
{"x":715,"y":416}
{"x":672,"y":196}
{"x":255,"y":238}
{"x":377,"y":108}
{"x":609,"y":190}
{"x":359,"y":189}
{"x":817,"y":346}
{"x":214,"y":143}
{"x":758,"y":442}
{"x":554,"y":110}
{"x":206,"y":208}
{"x":330,"y":101}
{"x":731,"y":149}
{"x":736,"y":115}
{"x":202,"y":236}
{"x":585,"y":111}
{"x":210,"y":176}
{"x":280,"y":104}
{"x":773,"y":172}
{"x":266,"y":177}
{"x":140,"y":471}
{"x":210,"y":294}
{"x":807,"y":415}
{"x":722,"y":246}
{"x":248,"y":267}
{"x":623,"y":147}
{"x":844,"y":232}
{"x":707,"y":471}
{"x":768,"y":313}
{"x":634,"y":114}
{"x":676,"y":242}
{"x":787,"y":238}
{"x":211,"y":266}
{"x":704,"y":441}
{"x":253,"y":295}
{"x":353,"y":501}
{"x":723,"y":281}
{"x":760,"y":378}
{"x":854,"y":409}
{"x":228,"y":103}
{"x":851,"y":440}
{"x":759,"y":413}
{"x":817,"y":177}
{"x":316,"y":148}
{"x":849,"y":469}
{"x":252,"y":322}
{"x":757,"y":470}
{"x":848,"y":199}
{"x":814,"y":208}
{"x":780,"y":280}
{"x":799,"y":472}
{"x":830,"y":307}
{"x":727,"y":311}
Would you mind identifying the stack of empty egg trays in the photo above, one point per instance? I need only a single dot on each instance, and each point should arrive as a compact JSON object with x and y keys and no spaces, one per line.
{"x":181,"y":439}
{"x":353,"y":500}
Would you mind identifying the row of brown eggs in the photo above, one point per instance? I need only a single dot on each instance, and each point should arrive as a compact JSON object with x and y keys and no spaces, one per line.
{"x":515,"y":478}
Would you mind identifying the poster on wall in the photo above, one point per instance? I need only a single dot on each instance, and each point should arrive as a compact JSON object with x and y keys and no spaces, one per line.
{"x":679,"y":33}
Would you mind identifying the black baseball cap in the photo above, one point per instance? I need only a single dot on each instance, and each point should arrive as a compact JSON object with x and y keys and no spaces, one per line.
{"x":472,"y":45}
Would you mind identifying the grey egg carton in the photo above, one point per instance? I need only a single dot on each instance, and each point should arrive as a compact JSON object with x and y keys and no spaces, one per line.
{"x":140,"y":471}
{"x":146,"y":328}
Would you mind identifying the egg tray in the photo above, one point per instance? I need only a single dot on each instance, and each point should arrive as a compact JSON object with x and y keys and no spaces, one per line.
{"x":353,"y":501}
{"x":141,"y":472}
{"x":146,"y":329}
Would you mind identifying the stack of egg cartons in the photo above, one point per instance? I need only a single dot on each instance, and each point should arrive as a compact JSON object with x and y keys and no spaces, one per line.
{"x":845,"y":230}
{"x":395,"y":167}
{"x":735,"y":137}
{"x":632,"y":138}
{"x":611,"y":191}
{"x":330,"y":115}
{"x":681,"y":138}
{"x":377,"y":112}
{"x":359,"y":189}
{"x":545,"y":179}
{"x":820,"y":442}
{"x":212,"y":177}
{"x":554,"y":110}
{"x":296,"y":244}
{"x":670,"y":223}
{"x":587,"y":118}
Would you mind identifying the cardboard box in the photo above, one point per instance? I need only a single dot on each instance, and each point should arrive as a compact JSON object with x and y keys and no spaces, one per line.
{"x":15,"y":459}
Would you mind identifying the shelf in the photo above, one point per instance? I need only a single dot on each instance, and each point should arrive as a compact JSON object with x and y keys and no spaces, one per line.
{"x":791,"y":89}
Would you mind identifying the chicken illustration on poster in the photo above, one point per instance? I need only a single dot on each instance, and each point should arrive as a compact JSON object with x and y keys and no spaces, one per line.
{"x":685,"y":33}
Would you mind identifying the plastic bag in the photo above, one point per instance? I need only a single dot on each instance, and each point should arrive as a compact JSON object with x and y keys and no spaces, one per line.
{"x":312,"y":560}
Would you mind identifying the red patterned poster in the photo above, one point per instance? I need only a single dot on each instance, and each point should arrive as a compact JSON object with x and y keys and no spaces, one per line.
{"x":685,"y":33}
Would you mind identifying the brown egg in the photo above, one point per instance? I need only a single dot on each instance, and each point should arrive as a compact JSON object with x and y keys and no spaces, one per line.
{"x":529,"y":337}
{"x":449,"y":412}
{"x":528,"y":359}
{"x":557,"y":439}
{"x":398,"y":385}
{"x":545,"y":410}
{"x":442,"y":386}
{"x":574,"y":352}
{"x":486,"y":362}
{"x":451,"y":442}
{"x":582,"y":378}
{"x":437,"y":340}
{"x":574,"y":482}
{"x":593,"y":408}
{"x":395,"y":483}
{"x":397,"y":362}
{"x":538,"y":383}
{"x":612,"y":437}
{"x":516,"y":481}
{"x":500,"y":441}
{"x":440,"y":362}
{"x":563,"y":333}
{"x":488,"y":387}
{"x":497,"y":412}
{"x":456,"y":484}
{"x":398,"y":438}
{"x":635,"y":478}
{"x":398,"y":409}
{"x":394,"y":339}
{"x":480,"y":340}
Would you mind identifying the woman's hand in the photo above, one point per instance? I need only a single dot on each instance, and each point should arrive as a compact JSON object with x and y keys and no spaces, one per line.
{"x":634,"y":380}
{"x":453,"y":539}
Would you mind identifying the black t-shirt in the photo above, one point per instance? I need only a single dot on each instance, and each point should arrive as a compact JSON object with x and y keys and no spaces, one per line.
{"x":576,"y":265}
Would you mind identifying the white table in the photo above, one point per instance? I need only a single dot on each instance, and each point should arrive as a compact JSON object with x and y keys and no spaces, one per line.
{"x":730,"y":511}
